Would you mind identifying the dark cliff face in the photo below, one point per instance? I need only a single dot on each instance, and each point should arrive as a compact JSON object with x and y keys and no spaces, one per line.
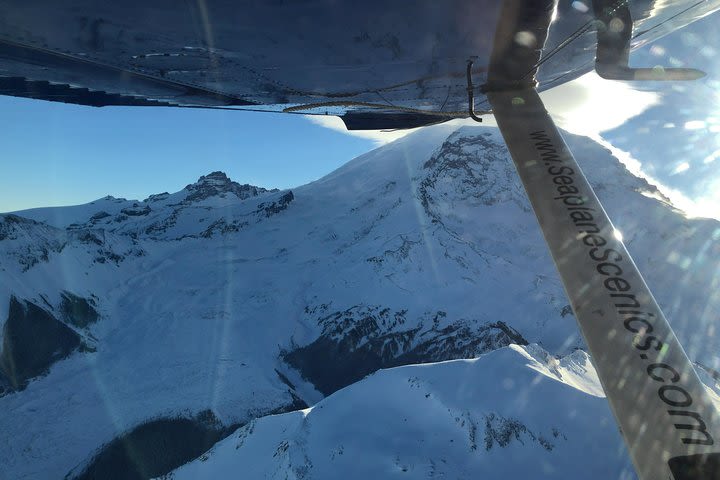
{"x":468,"y":170}
{"x":32,"y":341}
{"x":46,"y":240}
{"x":78,"y":311}
{"x":277,"y":206}
{"x":361,"y":340}
{"x":217,"y":183}
{"x":29,"y":243}
{"x":156,"y":447}
{"x":165,"y":216}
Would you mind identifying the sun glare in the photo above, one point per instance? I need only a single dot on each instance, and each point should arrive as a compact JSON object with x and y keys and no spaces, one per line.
{"x":590,"y":104}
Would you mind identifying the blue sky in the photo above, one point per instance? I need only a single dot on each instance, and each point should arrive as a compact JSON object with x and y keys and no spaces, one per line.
{"x":58,"y":154}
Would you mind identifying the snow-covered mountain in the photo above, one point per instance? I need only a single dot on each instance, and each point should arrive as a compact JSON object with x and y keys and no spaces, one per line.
{"x":512,"y":413}
{"x":133,"y":324}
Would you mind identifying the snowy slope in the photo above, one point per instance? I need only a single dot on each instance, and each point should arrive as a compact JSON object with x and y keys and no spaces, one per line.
{"x":223,"y":296}
{"x":507,"y":414}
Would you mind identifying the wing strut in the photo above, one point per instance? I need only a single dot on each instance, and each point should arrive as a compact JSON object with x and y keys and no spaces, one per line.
{"x":670,"y":426}
{"x":669,"y":423}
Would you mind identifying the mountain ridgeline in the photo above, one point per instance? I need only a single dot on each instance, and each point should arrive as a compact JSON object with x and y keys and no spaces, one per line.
{"x":131,"y":323}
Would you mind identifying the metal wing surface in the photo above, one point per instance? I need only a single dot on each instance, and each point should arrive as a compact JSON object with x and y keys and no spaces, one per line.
{"x":379,"y":64}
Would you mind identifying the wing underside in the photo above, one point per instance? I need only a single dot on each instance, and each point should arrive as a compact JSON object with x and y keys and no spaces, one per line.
{"x":378,"y":65}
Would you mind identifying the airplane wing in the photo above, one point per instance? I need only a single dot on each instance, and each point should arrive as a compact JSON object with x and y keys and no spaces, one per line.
{"x":377,"y":64}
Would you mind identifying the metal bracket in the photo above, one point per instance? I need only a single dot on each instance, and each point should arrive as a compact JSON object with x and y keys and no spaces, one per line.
{"x":614,"y":32}
{"x":471,"y":93}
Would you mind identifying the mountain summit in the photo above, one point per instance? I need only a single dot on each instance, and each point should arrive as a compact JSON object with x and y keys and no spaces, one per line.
{"x":218,"y":184}
{"x":172,"y":321}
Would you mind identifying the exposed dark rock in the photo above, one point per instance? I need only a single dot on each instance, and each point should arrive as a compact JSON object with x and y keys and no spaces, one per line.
{"x":459,"y":172}
{"x":78,"y":311}
{"x":284,"y":379}
{"x":47,"y":240}
{"x":330,"y":366}
{"x":502,"y":431}
{"x":276,"y":207}
{"x":99,"y":216}
{"x":159,"y":446}
{"x":110,"y":198}
{"x":89,"y":236}
{"x":218,"y":184}
{"x":215,"y":184}
{"x":8,"y":224}
{"x":156,"y":197}
{"x":136,"y":210}
{"x":156,"y":448}
{"x":5,"y":385}
{"x":223,"y":227}
{"x":41,"y":254}
{"x":361,"y":340}
{"x":461,"y":340}
{"x":103,"y":256}
{"x":398,"y":254}
{"x":32,"y":341}
{"x":151,"y":219}
{"x":297,"y":404}
{"x":85,"y":348}
{"x":110,"y":246}
{"x":46,"y":302}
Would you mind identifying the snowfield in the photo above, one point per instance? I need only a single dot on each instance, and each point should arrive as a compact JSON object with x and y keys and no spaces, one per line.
{"x":245,"y":302}
{"x":507,"y":414}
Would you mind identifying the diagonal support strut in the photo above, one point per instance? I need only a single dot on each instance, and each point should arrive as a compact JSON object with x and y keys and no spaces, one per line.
{"x":670,"y":426}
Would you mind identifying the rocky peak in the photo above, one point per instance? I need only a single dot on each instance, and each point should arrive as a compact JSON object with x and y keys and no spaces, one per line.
{"x":219,"y":184}
{"x":216,"y":178}
{"x":10,"y":224}
{"x":474,"y":168}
